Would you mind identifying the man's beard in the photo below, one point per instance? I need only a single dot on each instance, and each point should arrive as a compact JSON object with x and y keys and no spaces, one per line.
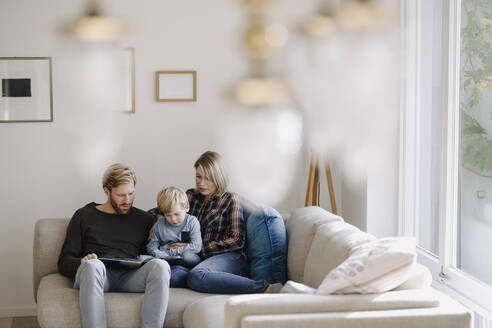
{"x":118,"y":209}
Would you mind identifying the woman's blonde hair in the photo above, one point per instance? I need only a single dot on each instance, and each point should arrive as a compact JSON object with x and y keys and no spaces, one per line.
{"x":118,"y":174}
{"x":169,"y":198}
{"x":213,"y":167}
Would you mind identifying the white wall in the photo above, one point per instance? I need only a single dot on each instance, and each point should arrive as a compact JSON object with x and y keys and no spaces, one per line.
{"x":51,"y":169}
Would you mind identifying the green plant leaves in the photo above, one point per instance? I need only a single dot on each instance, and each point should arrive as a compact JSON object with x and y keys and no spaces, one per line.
{"x":476,"y":68}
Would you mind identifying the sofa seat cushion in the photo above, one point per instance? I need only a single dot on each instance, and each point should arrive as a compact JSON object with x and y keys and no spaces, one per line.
{"x":207,"y":312}
{"x":179,"y":299}
{"x":58,"y":305}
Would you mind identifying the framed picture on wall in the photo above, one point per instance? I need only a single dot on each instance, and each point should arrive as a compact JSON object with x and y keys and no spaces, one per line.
{"x":26,"y":89}
{"x":128,"y":65}
{"x":172,"y":86}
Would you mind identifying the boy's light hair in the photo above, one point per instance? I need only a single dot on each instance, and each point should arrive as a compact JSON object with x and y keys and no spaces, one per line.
{"x":118,"y":174}
{"x":169,"y":198}
{"x":213,"y":167}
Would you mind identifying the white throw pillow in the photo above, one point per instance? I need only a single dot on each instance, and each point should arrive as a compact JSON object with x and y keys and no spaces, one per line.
{"x":374,"y":267}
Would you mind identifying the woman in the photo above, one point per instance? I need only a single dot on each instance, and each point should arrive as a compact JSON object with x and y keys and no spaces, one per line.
{"x":224,"y":268}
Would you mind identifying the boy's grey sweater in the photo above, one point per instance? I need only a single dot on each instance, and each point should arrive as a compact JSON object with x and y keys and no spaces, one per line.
{"x":165,"y":234}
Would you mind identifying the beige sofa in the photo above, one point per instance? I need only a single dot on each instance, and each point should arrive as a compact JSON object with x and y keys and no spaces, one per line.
{"x":317,"y":242}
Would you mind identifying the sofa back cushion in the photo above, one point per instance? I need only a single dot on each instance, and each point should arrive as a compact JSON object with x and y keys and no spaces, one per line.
{"x":49,"y":235}
{"x":266,"y":242}
{"x":331,"y":245}
{"x":301,"y":227}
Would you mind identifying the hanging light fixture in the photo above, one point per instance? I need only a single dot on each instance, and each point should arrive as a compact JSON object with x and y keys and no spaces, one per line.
{"x":321,"y":23}
{"x":261,"y":40}
{"x":261,"y":91}
{"x":348,"y":15}
{"x":366,"y":15}
{"x":95,"y":27}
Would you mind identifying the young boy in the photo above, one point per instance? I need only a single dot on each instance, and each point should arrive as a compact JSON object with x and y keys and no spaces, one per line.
{"x":177,"y":237}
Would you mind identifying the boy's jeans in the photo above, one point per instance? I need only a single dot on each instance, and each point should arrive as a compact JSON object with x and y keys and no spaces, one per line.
{"x":181,"y":267}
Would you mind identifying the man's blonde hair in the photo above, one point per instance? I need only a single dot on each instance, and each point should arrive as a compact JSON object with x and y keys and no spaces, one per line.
{"x":118,"y":174}
{"x":169,"y":198}
{"x":213,"y":167}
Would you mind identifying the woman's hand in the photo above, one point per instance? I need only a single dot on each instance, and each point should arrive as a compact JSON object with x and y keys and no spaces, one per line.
{"x":90,"y":256}
{"x":177,"y":245}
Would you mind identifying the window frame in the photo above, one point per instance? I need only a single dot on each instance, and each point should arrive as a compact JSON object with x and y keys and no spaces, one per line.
{"x":446,"y":276}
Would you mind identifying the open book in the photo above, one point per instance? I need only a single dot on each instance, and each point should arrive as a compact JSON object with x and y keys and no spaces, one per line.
{"x":125,"y":263}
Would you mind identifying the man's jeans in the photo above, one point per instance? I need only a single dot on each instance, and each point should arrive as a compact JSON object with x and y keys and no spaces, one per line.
{"x":93,"y":279}
{"x":224,"y":274}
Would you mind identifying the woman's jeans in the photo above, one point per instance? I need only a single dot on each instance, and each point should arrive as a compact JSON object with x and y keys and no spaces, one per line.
{"x":181,"y":267}
{"x":221,"y":274}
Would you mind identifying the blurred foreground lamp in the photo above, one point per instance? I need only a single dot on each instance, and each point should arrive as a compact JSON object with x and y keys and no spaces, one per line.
{"x":261,"y":41}
{"x":95,"y":27}
{"x":349,"y":15}
{"x":322,"y":23}
{"x":261,"y":91}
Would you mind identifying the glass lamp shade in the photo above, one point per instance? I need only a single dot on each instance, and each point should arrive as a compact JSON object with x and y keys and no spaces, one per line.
{"x":261,"y":91}
{"x":261,"y":39}
{"x":366,"y":15}
{"x":258,"y":7}
{"x":97,"y":28}
{"x":319,"y":25}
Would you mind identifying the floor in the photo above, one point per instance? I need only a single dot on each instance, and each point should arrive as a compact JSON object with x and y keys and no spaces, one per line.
{"x":19,"y":322}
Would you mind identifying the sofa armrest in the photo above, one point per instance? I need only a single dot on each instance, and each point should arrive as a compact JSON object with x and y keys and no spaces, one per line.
{"x":442,"y":316}
{"x":49,"y":235}
{"x":238,"y":307}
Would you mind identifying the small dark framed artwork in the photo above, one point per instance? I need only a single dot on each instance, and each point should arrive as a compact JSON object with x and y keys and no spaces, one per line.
{"x":26,"y":90}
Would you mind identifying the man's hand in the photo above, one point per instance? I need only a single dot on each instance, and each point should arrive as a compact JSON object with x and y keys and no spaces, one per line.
{"x":177,"y":245}
{"x":90,"y":256}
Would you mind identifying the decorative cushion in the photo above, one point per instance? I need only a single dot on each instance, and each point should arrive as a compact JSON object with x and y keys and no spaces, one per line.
{"x":266,"y":242}
{"x":419,"y":278}
{"x":373,"y":267}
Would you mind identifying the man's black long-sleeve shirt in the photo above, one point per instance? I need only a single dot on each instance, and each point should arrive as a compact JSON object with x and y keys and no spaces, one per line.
{"x":106,"y":235}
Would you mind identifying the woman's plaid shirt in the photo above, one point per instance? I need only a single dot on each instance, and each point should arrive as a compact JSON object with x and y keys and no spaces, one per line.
{"x":221,"y":222}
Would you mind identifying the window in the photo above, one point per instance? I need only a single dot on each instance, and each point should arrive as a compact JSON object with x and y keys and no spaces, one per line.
{"x":446,"y":144}
{"x":475,"y":171}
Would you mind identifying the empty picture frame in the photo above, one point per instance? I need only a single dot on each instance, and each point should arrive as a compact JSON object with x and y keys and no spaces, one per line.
{"x":175,"y":86}
{"x":123,"y":81}
{"x":26,"y":89}
{"x":129,"y":79}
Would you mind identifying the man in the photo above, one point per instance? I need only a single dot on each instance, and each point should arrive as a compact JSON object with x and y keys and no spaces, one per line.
{"x":114,"y":229}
